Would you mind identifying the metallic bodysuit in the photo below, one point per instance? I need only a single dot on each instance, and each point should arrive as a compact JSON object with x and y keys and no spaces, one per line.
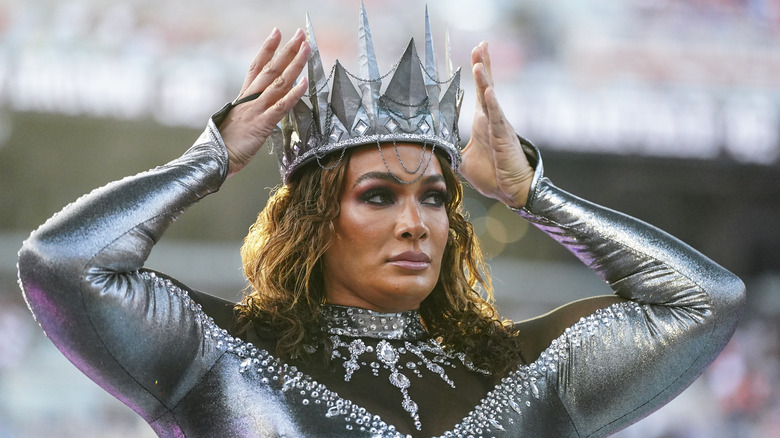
{"x":166,"y":352}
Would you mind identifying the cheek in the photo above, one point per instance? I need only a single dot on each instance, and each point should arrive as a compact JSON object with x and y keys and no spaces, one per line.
{"x":356,"y":228}
{"x":440,"y":230}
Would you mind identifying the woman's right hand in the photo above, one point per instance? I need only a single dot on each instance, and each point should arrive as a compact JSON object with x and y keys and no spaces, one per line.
{"x":272,"y":74}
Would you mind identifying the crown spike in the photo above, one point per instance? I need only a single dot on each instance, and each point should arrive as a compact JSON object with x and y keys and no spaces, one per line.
{"x":318,"y":82}
{"x":430,"y":56}
{"x":299,"y":124}
{"x":368,"y":68}
{"x":346,"y":100}
{"x":450,"y":102}
{"x":352,"y":111}
{"x":431,"y":77}
{"x":406,"y":90}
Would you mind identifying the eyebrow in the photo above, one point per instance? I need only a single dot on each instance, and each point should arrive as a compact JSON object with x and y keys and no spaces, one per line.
{"x":386,"y":176}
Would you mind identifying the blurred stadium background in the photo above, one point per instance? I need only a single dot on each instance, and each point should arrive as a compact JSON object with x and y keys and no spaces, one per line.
{"x":668,"y":110}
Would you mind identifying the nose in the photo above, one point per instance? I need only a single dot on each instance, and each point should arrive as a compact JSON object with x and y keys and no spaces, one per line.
{"x":411,"y":224}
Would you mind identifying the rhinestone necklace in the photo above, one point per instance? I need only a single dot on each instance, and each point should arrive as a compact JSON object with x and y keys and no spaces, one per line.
{"x":348,"y":326}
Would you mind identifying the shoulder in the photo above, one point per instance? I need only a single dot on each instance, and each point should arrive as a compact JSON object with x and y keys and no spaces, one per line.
{"x":219,"y":309}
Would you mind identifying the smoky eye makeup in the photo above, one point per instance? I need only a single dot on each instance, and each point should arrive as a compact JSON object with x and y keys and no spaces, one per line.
{"x":435,"y":197}
{"x":377,"y":195}
{"x":379,"y":188}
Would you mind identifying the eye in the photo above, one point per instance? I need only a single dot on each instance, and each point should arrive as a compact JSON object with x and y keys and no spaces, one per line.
{"x":378,"y":196}
{"x":435,"y":198}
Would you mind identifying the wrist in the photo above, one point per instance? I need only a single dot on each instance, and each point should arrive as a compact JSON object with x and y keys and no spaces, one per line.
{"x":524,"y":182}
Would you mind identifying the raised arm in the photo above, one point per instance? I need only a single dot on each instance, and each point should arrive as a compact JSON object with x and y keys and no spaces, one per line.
{"x":132,"y":331}
{"x":678,"y":311}
{"x":617,"y":358}
{"x":81,"y":276}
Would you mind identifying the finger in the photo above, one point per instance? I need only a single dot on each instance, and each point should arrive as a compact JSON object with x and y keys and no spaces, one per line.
{"x":481,"y":83}
{"x":286,"y":103}
{"x":284,"y":82}
{"x":486,"y":60}
{"x":496,"y":118}
{"x":264,"y":55}
{"x":476,"y":55}
{"x":476,"y":61}
{"x":274,"y":68}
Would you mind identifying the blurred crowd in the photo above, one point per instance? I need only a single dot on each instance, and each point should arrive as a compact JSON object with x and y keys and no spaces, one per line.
{"x":176,"y":61}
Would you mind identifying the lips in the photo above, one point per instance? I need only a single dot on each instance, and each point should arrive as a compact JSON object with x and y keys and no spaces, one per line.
{"x":411,"y":261}
{"x":409,"y":256}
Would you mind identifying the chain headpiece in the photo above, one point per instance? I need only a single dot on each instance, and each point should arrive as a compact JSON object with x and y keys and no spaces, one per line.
{"x":415,"y":107}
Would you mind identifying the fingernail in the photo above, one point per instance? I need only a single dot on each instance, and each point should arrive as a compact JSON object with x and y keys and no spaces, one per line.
{"x":273,"y":32}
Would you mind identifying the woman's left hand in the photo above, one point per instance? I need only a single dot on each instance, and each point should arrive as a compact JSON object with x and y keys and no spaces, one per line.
{"x":493,"y":160}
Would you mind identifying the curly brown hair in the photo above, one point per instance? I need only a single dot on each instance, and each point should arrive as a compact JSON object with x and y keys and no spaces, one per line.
{"x":282,"y":252}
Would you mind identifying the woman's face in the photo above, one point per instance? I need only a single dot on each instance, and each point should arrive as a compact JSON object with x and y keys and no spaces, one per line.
{"x":389,"y":237}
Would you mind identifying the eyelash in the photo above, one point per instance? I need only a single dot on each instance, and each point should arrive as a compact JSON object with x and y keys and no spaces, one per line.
{"x":440,"y":197}
{"x":387,"y":197}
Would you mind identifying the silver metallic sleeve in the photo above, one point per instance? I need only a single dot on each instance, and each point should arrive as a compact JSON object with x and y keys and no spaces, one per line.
{"x":81,"y":271}
{"x":684,"y":309}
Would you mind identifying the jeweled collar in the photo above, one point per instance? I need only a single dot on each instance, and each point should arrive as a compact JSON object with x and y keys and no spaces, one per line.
{"x":357,"y":322}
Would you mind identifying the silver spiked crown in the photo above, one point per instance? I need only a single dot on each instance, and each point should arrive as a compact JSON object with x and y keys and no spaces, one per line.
{"x":415,"y":106}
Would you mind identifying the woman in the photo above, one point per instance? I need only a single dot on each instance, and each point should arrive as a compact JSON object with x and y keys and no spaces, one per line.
{"x":364,"y":316}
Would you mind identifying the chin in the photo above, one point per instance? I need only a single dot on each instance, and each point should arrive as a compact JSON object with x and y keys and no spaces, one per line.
{"x":413,"y":286}
{"x":408,"y":298}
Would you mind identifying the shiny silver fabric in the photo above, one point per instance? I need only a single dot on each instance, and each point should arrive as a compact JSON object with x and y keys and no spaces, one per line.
{"x":166,"y":352}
